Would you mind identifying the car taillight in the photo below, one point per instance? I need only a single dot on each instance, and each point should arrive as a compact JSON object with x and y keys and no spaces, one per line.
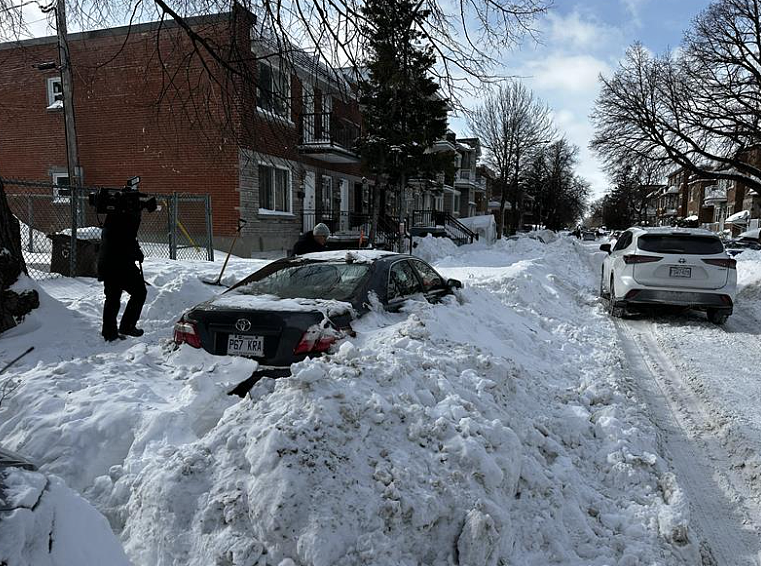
{"x":726,"y":262}
{"x":318,"y":339}
{"x":186,"y":332}
{"x":633,"y":258}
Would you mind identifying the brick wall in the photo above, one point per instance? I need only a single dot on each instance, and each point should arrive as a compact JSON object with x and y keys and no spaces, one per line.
{"x":146,"y":106}
{"x":130,"y":120}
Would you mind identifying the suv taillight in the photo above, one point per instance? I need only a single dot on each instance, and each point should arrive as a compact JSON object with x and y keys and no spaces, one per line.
{"x":186,"y":332}
{"x":633,"y":258}
{"x":319,"y":339}
{"x":726,"y":262}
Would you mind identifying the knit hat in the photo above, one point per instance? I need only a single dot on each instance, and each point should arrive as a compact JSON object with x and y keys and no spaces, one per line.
{"x":321,"y":230}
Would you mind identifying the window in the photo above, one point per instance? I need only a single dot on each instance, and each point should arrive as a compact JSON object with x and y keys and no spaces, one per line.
{"x":55,"y":93}
{"x":61,"y":195}
{"x":456,"y":203}
{"x":431,"y":279}
{"x":332,"y":281}
{"x":623,"y":242}
{"x":402,"y":281}
{"x":273,"y":91}
{"x":326,"y":193}
{"x":274,"y":189}
{"x":680,"y":244}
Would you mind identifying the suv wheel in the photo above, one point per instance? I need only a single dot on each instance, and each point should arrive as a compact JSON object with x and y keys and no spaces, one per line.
{"x":717,"y":317}
{"x":614,"y":310}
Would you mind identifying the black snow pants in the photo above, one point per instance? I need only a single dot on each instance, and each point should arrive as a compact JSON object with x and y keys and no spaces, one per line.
{"x":130,"y":280}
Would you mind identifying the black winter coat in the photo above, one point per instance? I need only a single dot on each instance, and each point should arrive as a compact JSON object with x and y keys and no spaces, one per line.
{"x":119,"y":248}
{"x":307,"y":245}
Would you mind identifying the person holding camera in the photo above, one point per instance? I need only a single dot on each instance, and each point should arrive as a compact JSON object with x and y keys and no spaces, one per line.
{"x":119,"y":250}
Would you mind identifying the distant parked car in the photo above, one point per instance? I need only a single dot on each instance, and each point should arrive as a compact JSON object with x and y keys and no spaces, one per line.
{"x":746,"y":241}
{"x":666,"y":266}
{"x":298,"y":307}
{"x":588,"y":235}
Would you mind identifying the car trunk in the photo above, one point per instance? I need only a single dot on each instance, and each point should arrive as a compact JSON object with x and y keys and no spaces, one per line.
{"x":267,"y":336}
{"x":682,"y":264}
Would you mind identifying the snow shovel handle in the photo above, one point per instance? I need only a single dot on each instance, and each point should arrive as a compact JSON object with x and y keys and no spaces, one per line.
{"x":241,"y":222}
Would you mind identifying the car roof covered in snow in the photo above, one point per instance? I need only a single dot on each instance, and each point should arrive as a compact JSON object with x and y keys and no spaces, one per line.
{"x":357,"y":256}
{"x":751,"y":234}
{"x":639,"y":230}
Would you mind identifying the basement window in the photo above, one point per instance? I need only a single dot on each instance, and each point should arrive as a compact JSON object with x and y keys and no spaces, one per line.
{"x":61,"y":194}
{"x":55,"y":93}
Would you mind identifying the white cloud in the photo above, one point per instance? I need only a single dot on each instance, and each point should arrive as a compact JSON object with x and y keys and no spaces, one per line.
{"x":634,"y":7}
{"x":566,"y":73}
{"x":576,"y":31}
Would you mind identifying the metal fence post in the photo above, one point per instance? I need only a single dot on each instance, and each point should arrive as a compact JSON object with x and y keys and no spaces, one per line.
{"x":173,"y":227}
{"x":74,"y":201}
{"x":209,"y":242}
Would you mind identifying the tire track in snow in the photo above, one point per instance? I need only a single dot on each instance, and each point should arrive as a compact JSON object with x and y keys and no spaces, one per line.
{"x":722,"y":504}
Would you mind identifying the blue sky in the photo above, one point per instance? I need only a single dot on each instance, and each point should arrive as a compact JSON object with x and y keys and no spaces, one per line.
{"x":581,"y":39}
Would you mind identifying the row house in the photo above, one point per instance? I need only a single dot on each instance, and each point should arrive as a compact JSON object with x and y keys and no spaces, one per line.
{"x":462,"y":192}
{"x":275,"y":150}
{"x":708,"y":202}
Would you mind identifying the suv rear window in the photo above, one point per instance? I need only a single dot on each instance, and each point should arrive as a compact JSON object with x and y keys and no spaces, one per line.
{"x":680,"y":244}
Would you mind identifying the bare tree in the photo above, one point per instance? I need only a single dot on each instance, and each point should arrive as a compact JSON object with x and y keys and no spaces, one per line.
{"x":511,"y":125}
{"x":467,"y":35}
{"x":698,"y":107}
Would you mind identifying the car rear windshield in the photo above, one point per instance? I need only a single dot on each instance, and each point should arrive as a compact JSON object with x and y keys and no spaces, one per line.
{"x":337,"y":281}
{"x":680,"y":244}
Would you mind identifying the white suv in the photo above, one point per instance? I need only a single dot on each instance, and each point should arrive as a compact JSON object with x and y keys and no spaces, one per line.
{"x":669,"y":266}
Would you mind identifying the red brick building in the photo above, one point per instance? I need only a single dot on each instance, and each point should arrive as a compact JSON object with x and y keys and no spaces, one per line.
{"x":268,"y":136}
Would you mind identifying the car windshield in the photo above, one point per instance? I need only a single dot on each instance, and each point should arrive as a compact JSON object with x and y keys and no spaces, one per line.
{"x":337,"y":281}
{"x":681,"y":244}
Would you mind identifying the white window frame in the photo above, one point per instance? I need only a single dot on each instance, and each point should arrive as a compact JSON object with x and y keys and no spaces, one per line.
{"x":57,"y":197}
{"x":52,"y":100}
{"x":456,"y":203}
{"x":273,"y":188}
{"x":276,"y":69}
{"x":438,"y":203}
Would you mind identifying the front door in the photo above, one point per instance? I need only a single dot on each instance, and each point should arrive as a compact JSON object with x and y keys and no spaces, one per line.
{"x":344,"y":222}
{"x":309,"y":201}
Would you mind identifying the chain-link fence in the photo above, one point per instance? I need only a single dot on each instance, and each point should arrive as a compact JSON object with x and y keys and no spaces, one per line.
{"x":61,"y":230}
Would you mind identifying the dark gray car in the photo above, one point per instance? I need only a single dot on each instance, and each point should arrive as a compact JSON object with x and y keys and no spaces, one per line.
{"x":299,"y":306}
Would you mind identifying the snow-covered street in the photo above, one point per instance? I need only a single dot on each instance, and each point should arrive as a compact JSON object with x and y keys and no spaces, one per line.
{"x":514,"y":424}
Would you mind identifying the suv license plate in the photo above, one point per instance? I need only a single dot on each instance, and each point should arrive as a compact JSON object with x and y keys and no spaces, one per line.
{"x":243,"y":345}
{"x":680,"y":272}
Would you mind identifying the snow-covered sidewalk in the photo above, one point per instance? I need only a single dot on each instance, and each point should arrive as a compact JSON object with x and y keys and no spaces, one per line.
{"x":496,"y":428}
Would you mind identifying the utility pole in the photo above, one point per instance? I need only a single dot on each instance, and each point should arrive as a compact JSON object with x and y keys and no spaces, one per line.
{"x":72,"y":154}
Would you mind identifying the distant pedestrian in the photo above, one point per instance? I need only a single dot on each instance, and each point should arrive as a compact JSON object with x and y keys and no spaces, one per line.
{"x":119,"y":250}
{"x":315,"y":240}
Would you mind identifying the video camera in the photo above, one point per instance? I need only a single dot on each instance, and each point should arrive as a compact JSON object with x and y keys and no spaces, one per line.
{"x":126,"y":200}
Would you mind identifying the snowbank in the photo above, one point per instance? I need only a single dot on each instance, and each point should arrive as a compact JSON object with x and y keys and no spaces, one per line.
{"x":44,"y":523}
{"x":495,"y":428}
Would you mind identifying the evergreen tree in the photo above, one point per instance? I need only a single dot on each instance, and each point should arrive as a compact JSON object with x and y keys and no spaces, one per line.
{"x":403,"y":111}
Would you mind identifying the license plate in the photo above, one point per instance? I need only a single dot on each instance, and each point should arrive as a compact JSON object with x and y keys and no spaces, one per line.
{"x":680,"y":272}
{"x":243,"y":345}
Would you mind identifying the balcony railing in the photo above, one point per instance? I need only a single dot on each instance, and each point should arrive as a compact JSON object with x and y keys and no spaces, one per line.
{"x":325,"y":128}
{"x":338,"y":221}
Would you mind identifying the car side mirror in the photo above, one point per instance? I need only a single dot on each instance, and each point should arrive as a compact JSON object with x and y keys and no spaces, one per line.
{"x":454,"y":284}
{"x":605,"y":248}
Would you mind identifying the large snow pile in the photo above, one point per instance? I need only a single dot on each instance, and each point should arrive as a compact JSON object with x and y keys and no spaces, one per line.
{"x":44,"y":523}
{"x":495,"y":428}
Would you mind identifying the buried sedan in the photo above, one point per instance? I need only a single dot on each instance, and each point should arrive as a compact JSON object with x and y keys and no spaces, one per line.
{"x":300,"y":306}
